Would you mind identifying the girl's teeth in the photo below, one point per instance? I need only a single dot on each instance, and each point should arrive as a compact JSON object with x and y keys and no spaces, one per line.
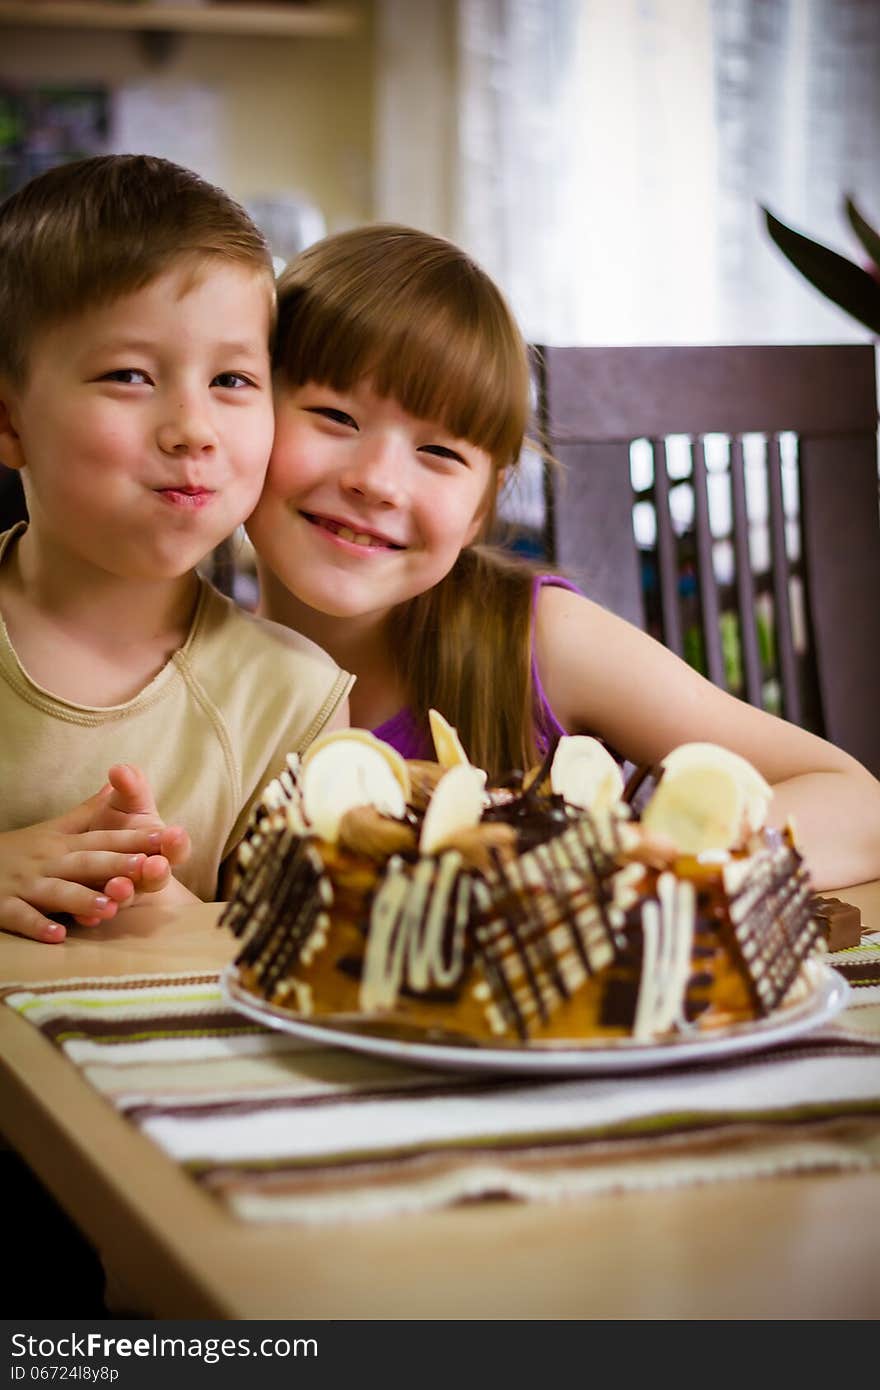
{"x":358,"y":537}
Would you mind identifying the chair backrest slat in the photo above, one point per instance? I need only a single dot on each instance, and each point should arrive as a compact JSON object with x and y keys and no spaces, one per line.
{"x":745,"y":584}
{"x":709,"y":607}
{"x":667,"y":552}
{"x":791,"y":696}
{"x":792,"y":627}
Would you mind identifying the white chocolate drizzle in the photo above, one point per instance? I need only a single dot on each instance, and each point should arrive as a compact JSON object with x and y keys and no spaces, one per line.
{"x":413,"y":913}
{"x":667,"y":940}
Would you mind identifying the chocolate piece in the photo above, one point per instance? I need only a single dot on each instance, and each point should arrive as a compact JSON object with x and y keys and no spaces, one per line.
{"x":841,"y":922}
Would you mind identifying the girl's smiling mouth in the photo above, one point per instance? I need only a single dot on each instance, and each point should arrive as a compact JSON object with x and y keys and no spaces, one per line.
{"x":365,"y":540}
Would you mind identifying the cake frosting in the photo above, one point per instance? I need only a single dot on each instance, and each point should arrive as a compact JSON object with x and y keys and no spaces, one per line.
{"x":413,"y":899}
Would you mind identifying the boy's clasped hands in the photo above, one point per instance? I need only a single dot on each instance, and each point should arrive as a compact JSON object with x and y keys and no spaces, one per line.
{"x":87,"y":864}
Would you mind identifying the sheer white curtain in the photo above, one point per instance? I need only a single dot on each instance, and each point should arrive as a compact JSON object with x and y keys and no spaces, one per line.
{"x":605,"y":159}
{"x":798,"y":126}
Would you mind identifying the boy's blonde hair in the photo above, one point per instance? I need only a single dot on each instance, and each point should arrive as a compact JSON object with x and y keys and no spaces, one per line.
{"x":86,"y":233}
{"x":432,"y":331}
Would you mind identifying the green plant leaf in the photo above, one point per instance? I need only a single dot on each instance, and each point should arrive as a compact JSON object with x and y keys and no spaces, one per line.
{"x":850,"y":287}
{"x":864,"y":231}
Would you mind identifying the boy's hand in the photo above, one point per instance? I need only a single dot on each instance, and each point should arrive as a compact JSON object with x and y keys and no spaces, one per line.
{"x":128,"y":804}
{"x":60,"y":865}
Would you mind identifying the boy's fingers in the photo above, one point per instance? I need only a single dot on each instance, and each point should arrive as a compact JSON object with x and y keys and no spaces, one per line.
{"x":94,"y":919}
{"x":129,"y":843}
{"x":119,"y":890}
{"x":22,"y":919}
{"x":156,"y":872}
{"x":117,"y":842}
{"x":132,"y":793}
{"x":76,"y":899}
{"x":53,"y":895}
{"x":95,"y":867}
{"x":153,"y":874}
{"x":175,"y":844}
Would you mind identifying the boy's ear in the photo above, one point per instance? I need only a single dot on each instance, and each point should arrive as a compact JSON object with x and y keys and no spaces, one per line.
{"x":11,"y":452}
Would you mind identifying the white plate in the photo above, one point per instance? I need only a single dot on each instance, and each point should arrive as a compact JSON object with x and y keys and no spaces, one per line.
{"x":826,"y":996}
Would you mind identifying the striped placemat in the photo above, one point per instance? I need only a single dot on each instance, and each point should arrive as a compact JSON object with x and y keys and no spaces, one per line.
{"x":279,"y":1129}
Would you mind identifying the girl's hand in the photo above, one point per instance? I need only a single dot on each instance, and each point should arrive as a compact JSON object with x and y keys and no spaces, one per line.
{"x":61,"y":865}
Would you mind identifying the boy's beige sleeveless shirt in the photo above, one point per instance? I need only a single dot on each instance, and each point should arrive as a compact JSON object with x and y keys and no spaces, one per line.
{"x":210,"y":730}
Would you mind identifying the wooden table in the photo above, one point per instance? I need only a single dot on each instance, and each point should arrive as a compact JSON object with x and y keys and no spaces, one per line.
{"x":793,"y":1247}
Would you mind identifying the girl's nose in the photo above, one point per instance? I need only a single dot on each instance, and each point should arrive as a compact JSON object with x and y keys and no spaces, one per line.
{"x":376,"y":473}
{"x":186,"y":430}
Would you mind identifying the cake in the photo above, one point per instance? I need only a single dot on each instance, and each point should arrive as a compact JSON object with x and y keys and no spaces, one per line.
{"x":410,"y":899}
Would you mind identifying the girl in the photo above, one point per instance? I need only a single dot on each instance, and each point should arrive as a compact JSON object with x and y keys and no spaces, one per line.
{"x":402,"y":403}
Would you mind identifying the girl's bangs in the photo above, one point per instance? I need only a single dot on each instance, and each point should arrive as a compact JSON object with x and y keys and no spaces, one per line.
{"x":449,"y":363}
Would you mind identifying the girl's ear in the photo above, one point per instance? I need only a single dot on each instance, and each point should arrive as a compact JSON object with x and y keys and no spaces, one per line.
{"x":11,"y":452}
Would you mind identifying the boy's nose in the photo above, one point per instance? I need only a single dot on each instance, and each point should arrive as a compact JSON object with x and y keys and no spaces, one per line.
{"x":187,"y":430}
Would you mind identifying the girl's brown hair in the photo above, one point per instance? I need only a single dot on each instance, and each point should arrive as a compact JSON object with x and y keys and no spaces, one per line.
{"x":415,"y":314}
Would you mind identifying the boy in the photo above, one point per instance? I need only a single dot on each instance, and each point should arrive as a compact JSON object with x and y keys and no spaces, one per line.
{"x":135,"y":399}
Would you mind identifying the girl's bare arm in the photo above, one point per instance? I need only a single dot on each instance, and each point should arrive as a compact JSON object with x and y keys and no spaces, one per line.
{"x":605,"y":677}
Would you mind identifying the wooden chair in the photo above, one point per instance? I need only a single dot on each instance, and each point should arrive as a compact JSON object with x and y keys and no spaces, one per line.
{"x":795,"y":629}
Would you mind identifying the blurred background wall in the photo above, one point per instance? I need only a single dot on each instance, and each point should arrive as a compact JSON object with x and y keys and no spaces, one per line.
{"x":605,"y":159}
{"x":268,"y":117}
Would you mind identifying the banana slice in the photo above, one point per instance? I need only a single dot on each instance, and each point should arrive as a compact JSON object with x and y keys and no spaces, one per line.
{"x":351,"y":768}
{"x":757,"y":792}
{"x":707,"y":799}
{"x":698,"y":809}
{"x":584,"y":773}
{"x":447,"y":744}
{"x":457,"y":804}
{"x":394,"y":760}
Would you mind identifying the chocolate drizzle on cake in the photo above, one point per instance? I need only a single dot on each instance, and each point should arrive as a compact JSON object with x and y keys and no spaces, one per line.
{"x":281,"y":905}
{"x":773,"y":922}
{"x":546,"y":922}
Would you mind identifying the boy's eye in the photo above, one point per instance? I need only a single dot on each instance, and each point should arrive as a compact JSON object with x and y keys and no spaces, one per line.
{"x":232,"y":380}
{"x":441,"y":451}
{"x":129,"y":376}
{"x":330,"y":412}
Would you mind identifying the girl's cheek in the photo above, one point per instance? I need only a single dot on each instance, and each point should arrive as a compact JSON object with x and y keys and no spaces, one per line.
{"x":288,"y":465}
{"x":278,"y":475}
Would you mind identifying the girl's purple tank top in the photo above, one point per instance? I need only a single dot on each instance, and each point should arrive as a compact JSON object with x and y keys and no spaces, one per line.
{"x":404,"y":732}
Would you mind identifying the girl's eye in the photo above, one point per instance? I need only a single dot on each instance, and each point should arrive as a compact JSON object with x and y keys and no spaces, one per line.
{"x":330,"y":412}
{"x":232,"y":380}
{"x":129,"y":376}
{"x":441,"y":451}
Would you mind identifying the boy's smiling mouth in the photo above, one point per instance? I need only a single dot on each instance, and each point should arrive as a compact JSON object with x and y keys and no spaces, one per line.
{"x":367,"y":540}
